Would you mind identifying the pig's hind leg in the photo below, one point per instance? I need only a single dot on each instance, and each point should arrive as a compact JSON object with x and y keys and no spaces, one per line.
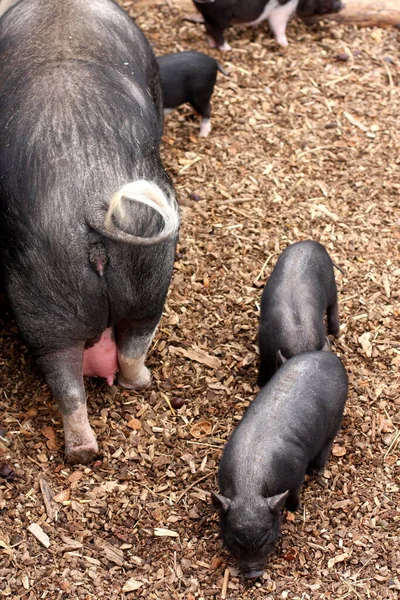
{"x":317,"y":466}
{"x":333,"y":319}
{"x":267,"y":367}
{"x":134,"y":339}
{"x":63,"y":372}
{"x":205,"y":127}
{"x":278,"y":20}
{"x":203,"y":107}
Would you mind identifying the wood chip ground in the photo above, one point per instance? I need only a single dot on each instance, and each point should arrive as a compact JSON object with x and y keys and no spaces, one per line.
{"x":305,"y":144}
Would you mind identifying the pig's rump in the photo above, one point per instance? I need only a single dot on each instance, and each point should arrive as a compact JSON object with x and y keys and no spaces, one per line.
{"x":89,"y":219}
{"x":100,"y":359}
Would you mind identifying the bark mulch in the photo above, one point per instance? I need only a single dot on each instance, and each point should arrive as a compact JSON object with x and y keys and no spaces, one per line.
{"x":305,"y":144}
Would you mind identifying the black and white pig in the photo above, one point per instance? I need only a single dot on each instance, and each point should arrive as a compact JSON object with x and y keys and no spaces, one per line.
{"x":88,"y":216}
{"x":189,"y":77}
{"x":300,"y":290}
{"x":218,"y":15}
{"x":285,"y":433}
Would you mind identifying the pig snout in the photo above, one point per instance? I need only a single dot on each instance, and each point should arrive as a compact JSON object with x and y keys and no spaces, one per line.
{"x":252,"y":572}
{"x":100,"y":359}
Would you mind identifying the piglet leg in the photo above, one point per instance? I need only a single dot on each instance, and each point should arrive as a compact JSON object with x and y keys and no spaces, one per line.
{"x":278,"y":21}
{"x":63,"y":372}
{"x":134,"y":339}
{"x":333,"y":319}
{"x":205,"y":127}
{"x":215,"y":36}
{"x":225,"y":47}
{"x":293,"y":500}
{"x":211,"y":42}
{"x":317,"y":466}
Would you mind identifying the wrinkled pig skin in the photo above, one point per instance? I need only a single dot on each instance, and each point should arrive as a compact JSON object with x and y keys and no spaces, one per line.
{"x":89,"y":220}
{"x":100,"y":358}
{"x":299,"y":292}
{"x":286,"y":432}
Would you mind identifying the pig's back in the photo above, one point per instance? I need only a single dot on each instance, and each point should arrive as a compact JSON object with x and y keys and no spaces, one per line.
{"x":296,"y":297}
{"x":289,"y":422}
{"x":58,"y":37}
{"x":298,"y":269}
{"x":66,"y":146}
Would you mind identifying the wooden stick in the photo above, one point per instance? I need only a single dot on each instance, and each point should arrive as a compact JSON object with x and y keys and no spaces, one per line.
{"x":185,"y":491}
{"x":225,"y":584}
{"x":373,"y":429}
{"x":49,"y":504}
{"x":39,"y":534}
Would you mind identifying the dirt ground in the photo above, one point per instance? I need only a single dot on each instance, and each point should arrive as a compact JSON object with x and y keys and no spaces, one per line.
{"x":305,"y":144}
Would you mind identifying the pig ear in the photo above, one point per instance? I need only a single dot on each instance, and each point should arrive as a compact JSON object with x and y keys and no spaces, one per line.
{"x":280,"y":359}
{"x":276,"y":503}
{"x":220,"y":502}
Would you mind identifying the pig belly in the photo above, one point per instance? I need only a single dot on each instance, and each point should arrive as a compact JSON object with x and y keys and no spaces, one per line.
{"x":100,"y":360}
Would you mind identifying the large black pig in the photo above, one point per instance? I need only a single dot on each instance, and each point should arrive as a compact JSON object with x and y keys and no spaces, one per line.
{"x":297,"y":295}
{"x":89,"y":221}
{"x":286,"y":432}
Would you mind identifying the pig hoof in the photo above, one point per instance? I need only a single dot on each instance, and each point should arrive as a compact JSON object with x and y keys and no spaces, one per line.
{"x":205,"y":127}
{"x":211,"y":42}
{"x":225,"y":47}
{"x":83,"y":454}
{"x":253,"y":574}
{"x":143,"y":380}
{"x":282,"y":41}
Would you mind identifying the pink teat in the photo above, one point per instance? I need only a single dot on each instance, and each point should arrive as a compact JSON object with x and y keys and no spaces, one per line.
{"x":100,"y":360}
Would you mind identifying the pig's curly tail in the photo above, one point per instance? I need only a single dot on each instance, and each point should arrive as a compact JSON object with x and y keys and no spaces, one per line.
{"x":143,"y":192}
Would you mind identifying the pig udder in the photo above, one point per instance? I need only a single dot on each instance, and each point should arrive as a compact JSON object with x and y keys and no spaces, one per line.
{"x":100,"y":360}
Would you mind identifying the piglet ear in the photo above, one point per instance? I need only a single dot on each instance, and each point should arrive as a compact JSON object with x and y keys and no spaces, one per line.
{"x":280,"y":359}
{"x":220,"y":502}
{"x":276,"y":503}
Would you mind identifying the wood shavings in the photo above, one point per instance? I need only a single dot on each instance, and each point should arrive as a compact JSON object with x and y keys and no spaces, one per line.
{"x":39,"y":534}
{"x":48,"y":499}
{"x":201,"y":429}
{"x":225,"y":584}
{"x":355,"y":122}
{"x":131,"y":585}
{"x":197,"y":354}
{"x":365,"y":341}
{"x":280,"y":149}
{"x":337,"y":559}
{"x":161,"y":532}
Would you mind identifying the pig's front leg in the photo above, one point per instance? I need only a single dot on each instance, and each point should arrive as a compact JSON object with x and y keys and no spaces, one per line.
{"x":134,"y":340}
{"x":215,"y":36}
{"x":63,"y":372}
{"x":293,"y":500}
